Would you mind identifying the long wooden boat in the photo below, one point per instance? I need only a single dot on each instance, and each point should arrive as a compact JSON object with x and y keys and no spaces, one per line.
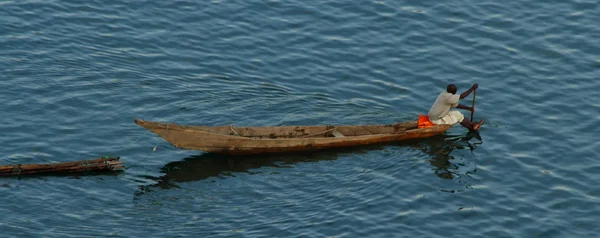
{"x":277,"y":139}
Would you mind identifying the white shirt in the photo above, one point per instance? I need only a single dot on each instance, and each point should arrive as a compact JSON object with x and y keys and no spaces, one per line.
{"x":442,"y":105}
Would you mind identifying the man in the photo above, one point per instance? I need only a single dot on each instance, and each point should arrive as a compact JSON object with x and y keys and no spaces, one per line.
{"x":440,"y":110}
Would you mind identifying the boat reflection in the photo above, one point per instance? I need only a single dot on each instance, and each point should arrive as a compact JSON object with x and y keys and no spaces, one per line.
{"x":209,"y":165}
{"x":441,"y":147}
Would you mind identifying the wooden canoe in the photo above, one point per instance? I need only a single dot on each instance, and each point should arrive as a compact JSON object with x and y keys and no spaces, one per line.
{"x":277,"y":139}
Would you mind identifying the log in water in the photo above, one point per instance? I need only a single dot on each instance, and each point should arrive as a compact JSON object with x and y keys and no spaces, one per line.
{"x":99,"y":164}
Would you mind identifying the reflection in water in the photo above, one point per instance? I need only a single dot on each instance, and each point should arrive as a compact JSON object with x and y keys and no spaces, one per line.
{"x":208,"y":165}
{"x":440,"y":148}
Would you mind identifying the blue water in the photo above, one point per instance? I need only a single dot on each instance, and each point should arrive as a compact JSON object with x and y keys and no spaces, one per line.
{"x":75,"y":74}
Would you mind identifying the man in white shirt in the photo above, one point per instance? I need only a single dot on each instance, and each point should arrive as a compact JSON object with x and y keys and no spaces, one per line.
{"x":440,"y":112}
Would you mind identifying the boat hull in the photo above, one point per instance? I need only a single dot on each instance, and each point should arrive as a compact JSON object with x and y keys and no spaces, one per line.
{"x":262,"y":140}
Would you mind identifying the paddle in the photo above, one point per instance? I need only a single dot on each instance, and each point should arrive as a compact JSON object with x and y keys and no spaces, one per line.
{"x":476,"y":133}
{"x":473,"y":105}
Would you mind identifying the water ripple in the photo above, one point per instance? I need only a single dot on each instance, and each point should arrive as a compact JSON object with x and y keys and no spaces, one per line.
{"x":75,"y":74}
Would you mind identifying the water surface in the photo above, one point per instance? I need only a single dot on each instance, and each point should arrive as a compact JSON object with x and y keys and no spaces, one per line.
{"x":75,"y":74}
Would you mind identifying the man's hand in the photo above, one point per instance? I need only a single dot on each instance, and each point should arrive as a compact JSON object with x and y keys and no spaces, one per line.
{"x":466,"y":93}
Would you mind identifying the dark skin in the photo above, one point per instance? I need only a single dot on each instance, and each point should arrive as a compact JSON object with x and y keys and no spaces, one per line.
{"x":465,"y":122}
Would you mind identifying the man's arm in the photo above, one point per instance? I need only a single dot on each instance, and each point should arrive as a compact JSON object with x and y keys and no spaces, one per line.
{"x":466,"y":93}
{"x":464,"y":107}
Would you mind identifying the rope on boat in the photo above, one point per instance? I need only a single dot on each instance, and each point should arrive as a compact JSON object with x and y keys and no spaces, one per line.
{"x":156,"y":146}
{"x":157,"y":142}
{"x":139,"y":137}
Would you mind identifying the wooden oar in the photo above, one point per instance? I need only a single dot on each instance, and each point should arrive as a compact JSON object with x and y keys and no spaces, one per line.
{"x":473,"y":105}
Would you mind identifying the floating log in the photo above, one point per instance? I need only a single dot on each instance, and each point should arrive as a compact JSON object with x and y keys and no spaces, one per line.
{"x":99,"y":164}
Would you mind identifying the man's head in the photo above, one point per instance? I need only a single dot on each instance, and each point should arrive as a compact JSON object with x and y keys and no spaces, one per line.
{"x":451,"y":88}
